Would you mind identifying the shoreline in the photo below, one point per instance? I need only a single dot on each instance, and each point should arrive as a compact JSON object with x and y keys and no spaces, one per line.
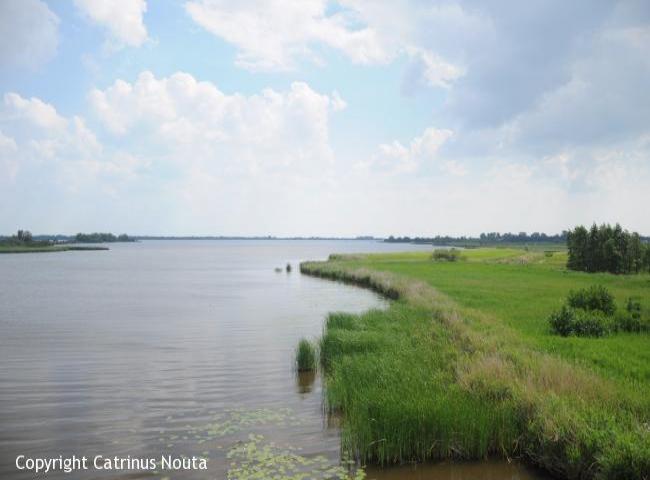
{"x":540,"y":407}
{"x":54,"y":248}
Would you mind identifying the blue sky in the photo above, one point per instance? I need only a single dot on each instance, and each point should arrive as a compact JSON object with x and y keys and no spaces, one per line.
{"x":323,"y":118}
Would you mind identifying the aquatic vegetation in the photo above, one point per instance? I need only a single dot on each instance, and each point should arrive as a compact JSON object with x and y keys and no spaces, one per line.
{"x":305,"y":356}
{"x":257,"y":459}
{"x":472,"y":372}
{"x":254,"y":455}
{"x":229,"y":422}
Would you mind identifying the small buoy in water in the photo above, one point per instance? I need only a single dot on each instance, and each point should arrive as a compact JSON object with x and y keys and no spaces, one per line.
{"x":278,"y":269}
{"x":288,"y":268}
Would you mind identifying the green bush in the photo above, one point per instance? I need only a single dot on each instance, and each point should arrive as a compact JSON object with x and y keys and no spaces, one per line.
{"x":625,"y":322}
{"x":593,"y":298}
{"x":305,"y":356}
{"x":633,"y":307}
{"x":592,"y":323}
{"x":562,"y":321}
{"x":582,"y":323}
{"x":446,"y":255}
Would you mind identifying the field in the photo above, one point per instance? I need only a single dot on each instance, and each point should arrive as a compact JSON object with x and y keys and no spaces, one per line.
{"x":463,"y":365}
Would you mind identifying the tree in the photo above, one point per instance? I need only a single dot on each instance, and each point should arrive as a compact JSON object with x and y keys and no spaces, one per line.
{"x":605,"y":249}
{"x":24,"y":236}
{"x":577,"y":241}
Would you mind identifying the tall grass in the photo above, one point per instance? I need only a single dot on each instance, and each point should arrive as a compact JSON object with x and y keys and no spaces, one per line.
{"x":305,"y":356}
{"x":399,"y":395}
{"x":427,"y":379}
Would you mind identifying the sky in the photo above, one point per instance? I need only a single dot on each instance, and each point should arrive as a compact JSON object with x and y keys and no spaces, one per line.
{"x":311,"y":117}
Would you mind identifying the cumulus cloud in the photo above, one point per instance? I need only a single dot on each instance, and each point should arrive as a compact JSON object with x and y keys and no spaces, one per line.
{"x":40,"y":144}
{"x":29,"y":33}
{"x":273,"y":34}
{"x":123,"y":19}
{"x":198,"y":121}
{"x":540,"y":112}
{"x":398,"y":158}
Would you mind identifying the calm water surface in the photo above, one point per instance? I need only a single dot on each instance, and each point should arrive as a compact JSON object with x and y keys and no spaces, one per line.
{"x":179,"y":348}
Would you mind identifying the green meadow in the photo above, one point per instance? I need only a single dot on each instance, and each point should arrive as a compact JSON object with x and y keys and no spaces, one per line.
{"x":463,"y":365}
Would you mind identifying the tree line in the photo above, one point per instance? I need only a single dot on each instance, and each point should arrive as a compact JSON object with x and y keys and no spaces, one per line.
{"x":607,"y":249}
{"x":99,"y":237}
{"x":490,"y":238}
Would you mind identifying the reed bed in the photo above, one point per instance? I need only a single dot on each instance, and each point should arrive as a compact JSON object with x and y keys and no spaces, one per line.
{"x":426,"y":380}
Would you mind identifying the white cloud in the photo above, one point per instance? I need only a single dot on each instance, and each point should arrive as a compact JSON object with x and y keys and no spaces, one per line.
{"x":432,"y":69}
{"x":200,"y":123}
{"x":34,"y":110}
{"x":29,"y":33}
{"x":62,"y":152}
{"x":272,"y":34}
{"x":8,"y":163}
{"x":398,"y":158}
{"x":122,"y":18}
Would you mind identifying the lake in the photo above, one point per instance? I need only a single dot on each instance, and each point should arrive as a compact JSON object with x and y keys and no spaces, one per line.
{"x":180,"y":348}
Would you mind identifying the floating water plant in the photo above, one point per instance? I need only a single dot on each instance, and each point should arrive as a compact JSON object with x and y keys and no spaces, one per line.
{"x":257,"y":459}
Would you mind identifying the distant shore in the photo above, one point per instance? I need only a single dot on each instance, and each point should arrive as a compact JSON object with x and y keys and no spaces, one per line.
{"x":48,"y":248}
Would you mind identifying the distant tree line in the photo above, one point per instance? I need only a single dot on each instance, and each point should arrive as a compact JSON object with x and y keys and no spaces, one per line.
{"x":23,"y":238}
{"x":607,"y":249}
{"x":98,"y":237}
{"x":491,"y":238}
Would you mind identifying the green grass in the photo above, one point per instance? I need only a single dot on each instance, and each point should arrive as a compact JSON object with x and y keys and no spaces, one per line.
{"x":463,"y":365}
{"x":522,"y":295}
{"x":305,"y":356}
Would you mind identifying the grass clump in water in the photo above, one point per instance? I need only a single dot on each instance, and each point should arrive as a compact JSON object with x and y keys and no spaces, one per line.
{"x":305,"y":356}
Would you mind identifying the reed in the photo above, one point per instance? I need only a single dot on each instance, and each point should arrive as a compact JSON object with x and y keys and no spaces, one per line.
{"x":305,"y":356}
{"x":430,"y":379}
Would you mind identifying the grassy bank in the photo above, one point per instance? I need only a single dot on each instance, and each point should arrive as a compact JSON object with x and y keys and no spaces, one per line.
{"x":462,"y":365}
{"x":48,"y":248}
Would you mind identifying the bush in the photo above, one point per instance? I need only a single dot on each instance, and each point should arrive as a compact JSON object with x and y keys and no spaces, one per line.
{"x":446,"y":255}
{"x":593,"y":298}
{"x":633,"y":307}
{"x":582,"y":323}
{"x":592,"y":323}
{"x":562,"y":321}
{"x":626,"y":322}
{"x":305,"y":356}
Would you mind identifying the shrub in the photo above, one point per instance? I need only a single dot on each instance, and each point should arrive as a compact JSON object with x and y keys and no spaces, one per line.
{"x":562,"y":321}
{"x":446,"y":255}
{"x":625,"y":322}
{"x":633,"y":307}
{"x":582,"y":323}
{"x":593,"y":298}
{"x":592,"y":323}
{"x":305,"y":356}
